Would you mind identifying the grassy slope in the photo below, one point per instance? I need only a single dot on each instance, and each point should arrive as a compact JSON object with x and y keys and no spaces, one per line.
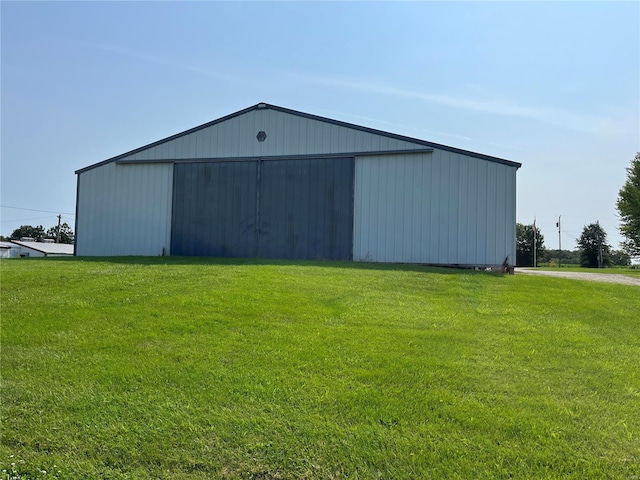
{"x":185,"y":368}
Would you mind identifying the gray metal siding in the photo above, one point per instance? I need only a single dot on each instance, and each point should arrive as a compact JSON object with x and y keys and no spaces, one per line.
{"x":124,"y":210}
{"x":307,"y":209}
{"x":287,"y":134}
{"x":214,"y":209}
{"x":440,"y":208}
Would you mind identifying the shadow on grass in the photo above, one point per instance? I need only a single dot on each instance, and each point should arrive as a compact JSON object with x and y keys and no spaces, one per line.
{"x":199,"y":261}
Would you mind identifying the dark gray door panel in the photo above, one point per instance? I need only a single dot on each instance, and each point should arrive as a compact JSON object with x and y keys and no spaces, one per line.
{"x":306,"y":209}
{"x":214,"y":209}
{"x":289,"y":209}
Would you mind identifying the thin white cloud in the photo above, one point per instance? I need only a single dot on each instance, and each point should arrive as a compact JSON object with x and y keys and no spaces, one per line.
{"x":145,"y":57}
{"x":435,"y":133}
{"x":362,"y":117}
{"x":592,"y":124}
{"x":399,"y":125}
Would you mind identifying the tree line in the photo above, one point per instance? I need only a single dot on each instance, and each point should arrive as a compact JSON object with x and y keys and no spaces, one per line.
{"x":38,"y":233}
{"x":592,"y":247}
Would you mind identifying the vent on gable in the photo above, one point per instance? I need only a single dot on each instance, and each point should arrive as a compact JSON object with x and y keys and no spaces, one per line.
{"x":262,"y":136}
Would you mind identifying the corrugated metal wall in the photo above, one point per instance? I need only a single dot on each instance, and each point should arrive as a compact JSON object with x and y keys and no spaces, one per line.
{"x":442,"y":208}
{"x":304,"y":209}
{"x":124,"y":210}
{"x":286,"y":135}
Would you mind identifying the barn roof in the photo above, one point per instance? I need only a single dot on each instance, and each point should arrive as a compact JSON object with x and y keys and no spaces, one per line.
{"x":264,"y":106}
{"x":47,"y":248}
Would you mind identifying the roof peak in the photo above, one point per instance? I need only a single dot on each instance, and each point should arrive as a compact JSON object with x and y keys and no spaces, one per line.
{"x":267,"y":106}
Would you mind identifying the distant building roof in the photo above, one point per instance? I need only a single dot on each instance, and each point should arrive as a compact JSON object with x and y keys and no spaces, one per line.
{"x":47,"y":248}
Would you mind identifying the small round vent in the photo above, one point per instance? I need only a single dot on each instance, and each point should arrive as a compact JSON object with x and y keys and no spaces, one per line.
{"x":261,"y":136}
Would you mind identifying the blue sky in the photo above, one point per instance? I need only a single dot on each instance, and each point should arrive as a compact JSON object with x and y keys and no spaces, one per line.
{"x":555,"y":86}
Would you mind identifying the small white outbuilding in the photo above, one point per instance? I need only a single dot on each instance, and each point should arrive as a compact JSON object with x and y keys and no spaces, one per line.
{"x":41,"y":249}
{"x":271,"y":182}
{"x":8,"y":250}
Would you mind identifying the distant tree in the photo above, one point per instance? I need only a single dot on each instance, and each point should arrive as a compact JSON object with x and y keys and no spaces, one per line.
{"x":620,"y":259}
{"x":66,"y":234}
{"x":571,"y":257}
{"x":592,"y":239}
{"x":544,"y":256}
{"x":628,"y":206}
{"x":568,"y":257}
{"x":524,"y":245}
{"x":37,"y":233}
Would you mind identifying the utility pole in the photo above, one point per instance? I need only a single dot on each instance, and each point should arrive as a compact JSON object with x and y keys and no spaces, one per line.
{"x":58,"y":234}
{"x":559,"y":243}
{"x":535,"y":243}
{"x":599,"y":245}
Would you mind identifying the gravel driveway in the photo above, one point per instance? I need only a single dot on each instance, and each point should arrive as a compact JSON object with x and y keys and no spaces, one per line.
{"x":594,"y":277}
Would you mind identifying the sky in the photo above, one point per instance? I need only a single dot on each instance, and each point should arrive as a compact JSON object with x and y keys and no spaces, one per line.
{"x":554,"y":86}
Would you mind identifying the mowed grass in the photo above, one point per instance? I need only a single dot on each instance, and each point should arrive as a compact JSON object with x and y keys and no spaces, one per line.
{"x":177,"y":368}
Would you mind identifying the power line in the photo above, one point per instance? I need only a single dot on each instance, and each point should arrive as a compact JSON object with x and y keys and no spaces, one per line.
{"x":25,"y":219}
{"x":35,"y":210}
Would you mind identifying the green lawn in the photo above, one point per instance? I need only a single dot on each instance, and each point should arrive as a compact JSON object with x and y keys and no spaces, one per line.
{"x":178,"y":368}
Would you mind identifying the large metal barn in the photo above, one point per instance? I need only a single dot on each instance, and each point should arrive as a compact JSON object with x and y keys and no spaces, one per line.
{"x":271,"y":182}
